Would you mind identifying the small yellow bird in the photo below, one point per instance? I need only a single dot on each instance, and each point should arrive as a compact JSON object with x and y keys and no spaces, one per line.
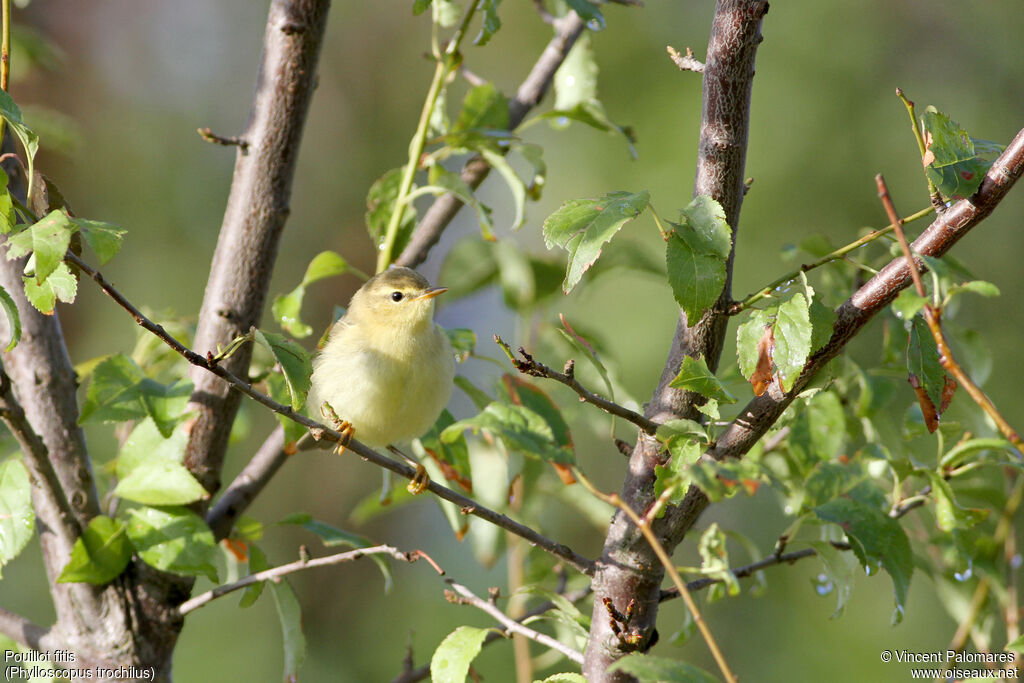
{"x":387,"y":367}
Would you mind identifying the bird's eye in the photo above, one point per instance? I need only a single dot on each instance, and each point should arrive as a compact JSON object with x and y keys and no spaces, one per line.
{"x":396,"y":296}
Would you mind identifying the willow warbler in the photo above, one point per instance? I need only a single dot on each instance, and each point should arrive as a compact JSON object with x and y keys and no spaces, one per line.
{"x":387,"y":368}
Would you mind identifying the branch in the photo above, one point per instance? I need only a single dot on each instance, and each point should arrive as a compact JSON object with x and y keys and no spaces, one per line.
{"x":275,"y":573}
{"x":253,"y":478}
{"x":685,"y":62}
{"x":254,"y":219}
{"x":528,"y":96}
{"x":529,"y":366}
{"x":21,"y":630}
{"x":630,"y":569}
{"x":464,"y":596}
{"x":320,"y":431}
{"x":944,"y":232}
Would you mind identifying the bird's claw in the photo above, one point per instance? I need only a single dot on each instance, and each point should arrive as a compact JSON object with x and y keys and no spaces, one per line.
{"x":346,"y":428}
{"x":419,"y":482}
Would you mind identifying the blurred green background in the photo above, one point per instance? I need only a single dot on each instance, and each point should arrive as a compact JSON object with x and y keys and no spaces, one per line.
{"x":118,"y":102}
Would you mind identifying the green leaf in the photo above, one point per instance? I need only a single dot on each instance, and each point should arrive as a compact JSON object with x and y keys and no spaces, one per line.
{"x":453,"y":182}
{"x":695,"y":376}
{"x":491,"y":22}
{"x":277,"y":387}
{"x":294,"y":360}
{"x":173,"y":539}
{"x":818,"y":432}
{"x":332,"y":536}
{"x":160,"y":481}
{"x":715,"y":558}
{"x":1016,"y":646}
{"x":576,"y":79}
{"x":290,"y":614}
{"x":536,"y":399}
{"x":446,"y":12}
{"x":112,"y":395}
{"x":565,"y":678}
{"x":923,"y":361}
{"x":583,"y":226}
{"x":420,"y":6}
{"x":650,"y":669}
{"x":822,"y":319}
{"x":748,"y":334}
{"x":588,"y":12}
{"x":29,"y":140}
{"x":681,"y":427}
{"x":695,"y":255}
{"x":103,"y":238}
{"x":286,"y":307}
{"x":908,"y":304}
{"x":463,"y":342}
{"x":47,"y":239}
{"x":828,"y":480}
{"x":949,"y":514}
{"x":7,"y":216}
{"x":484,"y":107}
{"x":478,"y":396}
{"x":257,"y":563}
{"x":60,"y":285}
{"x":515,"y":184}
{"x":952,"y":163}
{"x":451,"y":660}
{"x":452,"y":457}
{"x":99,"y":555}
{"x":979,"y":287}
{"x":792,"y":332}
{"x":380,"y":203}
{"x":877,"y":540}
{"x":17,"y":519}
{"x":838,"y":571}
{"x":520,"y":428}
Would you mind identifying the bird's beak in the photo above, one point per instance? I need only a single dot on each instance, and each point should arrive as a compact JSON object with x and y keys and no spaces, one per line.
{"x":431,"y":293}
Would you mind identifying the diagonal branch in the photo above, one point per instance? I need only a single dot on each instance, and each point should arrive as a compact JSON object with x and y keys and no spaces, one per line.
{"x":244,"y":488}
{"x":319,"y":431}
{"x":254,"y":219}
{"x":21,"y":630}
{"x":463,"y":595}
{"x":945,"y":231}
{"x":528,"y":96}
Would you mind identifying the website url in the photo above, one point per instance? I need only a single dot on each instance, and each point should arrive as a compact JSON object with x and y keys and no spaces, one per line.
{"x":960,"y":674}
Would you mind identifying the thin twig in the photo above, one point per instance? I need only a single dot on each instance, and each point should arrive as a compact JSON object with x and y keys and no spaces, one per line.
{"x":534,"y":368}
{"x":21,"y":630}
{"x":685,"y":62}
{"x":227,"y":141}
{"x":275,"y":573}
{"x":320,"y":431}
{"x":466,"y":597}
{"x":670,"y":569}
{"x":839,"y":253}
{"x":749,"y":570}
{"x":932,"y":316}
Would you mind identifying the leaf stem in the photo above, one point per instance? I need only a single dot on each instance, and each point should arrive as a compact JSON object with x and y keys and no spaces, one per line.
{"x":933,"y":192}
{"x":442,"y":68}
{"x":827,"y":258}
{"x":666,"y":561}
{"x":5,"y":53}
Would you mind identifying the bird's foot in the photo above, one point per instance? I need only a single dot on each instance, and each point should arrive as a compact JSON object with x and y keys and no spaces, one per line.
{"x":420,"y":480}
{"x":346,"y":428}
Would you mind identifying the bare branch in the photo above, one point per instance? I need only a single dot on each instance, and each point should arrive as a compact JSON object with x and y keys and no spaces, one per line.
{"x":254,"y":219}
{"x":253,"y":478}
{"x":464,"y":596}
{"x":229,"y":141}
{"x":299,"y":565}
{"x":21,"y":630}
{"x":529,"y":366}
{"x":529,"y":95}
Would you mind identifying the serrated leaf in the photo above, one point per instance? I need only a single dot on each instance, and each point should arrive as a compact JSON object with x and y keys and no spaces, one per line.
{"x":520,"y":428}
{"x":491,"y":22}
{"x":748,"y":336}
{"x":792,"y":333}
{"x":877,"y":540}
{"x":287,"y":307}
{"x":649,"y":669}
{"x":380,"y":203}
{"x":173,"y":539}
{"x":29,"y":140}
{"x":113,"y":392}
{"x":103,"y":238}
{"x":583,"y":226}
{"x":294,"y":360}
{"x":17,"y":518}
{"x":451,"y":660}
{"x":99,"y":555}
{"x":47,"y":239}
{"x":951,"y":161}
{"x":160,"y":481}
{"x":695,"y":376}
{"x":290,"y":614}
{"x":696,"y":253}
{"x":61,"y":285}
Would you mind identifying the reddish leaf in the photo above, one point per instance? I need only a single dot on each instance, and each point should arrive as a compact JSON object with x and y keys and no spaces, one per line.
{"x":762,"y":375}
{"x":931,"y":416}
{"x":947,"y":393}
{"x":238,"y":548}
